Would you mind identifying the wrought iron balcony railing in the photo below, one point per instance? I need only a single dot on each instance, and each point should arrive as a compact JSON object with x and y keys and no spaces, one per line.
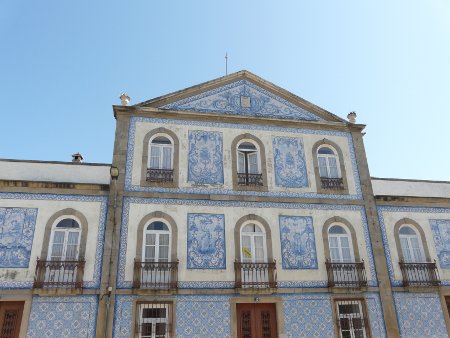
{"x":155,"y":275}
{"x":250,"y":179}
{"x":59,"y":274}
{"x":332,"y":183}
{"x":159,"y":175}
{"x":420,"y":274}
{"x":351,"y":275}
{"x":255,"y":275}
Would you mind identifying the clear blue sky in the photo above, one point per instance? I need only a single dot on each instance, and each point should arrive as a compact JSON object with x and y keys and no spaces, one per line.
{"x":63,"y":64}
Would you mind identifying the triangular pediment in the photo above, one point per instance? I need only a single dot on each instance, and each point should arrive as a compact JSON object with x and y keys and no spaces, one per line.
{"x":242,"y":94}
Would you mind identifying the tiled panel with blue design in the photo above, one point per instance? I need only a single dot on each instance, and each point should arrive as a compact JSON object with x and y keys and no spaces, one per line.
{"x":420,"y":315}
{"x":206,"y":241}
{"x":298,"y":246}
{"x":308,"y":315}
{"x":289,"y":162}
{"x":376,"y":321}
{"x":205,"y":158}
{"x":16,"y":236}
{"x":63,"y":317}
{"x":441,"y":235}
{"x":242,"y":98}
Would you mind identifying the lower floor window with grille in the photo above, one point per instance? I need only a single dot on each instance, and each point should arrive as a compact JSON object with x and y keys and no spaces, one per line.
{"x":154,"y":320}
{"x":351,"y":320}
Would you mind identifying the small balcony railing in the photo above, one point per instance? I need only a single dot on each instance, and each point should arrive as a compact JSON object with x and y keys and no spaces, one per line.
{"x":255,"y":275}
{"x":59,"y":274}
{"x":159,"y":175}
{"x":351,"y":275}
{"x":420,"y":274}
{"x":155,"y":275}
{"x":332,"y":183}
{"x":250,"y":179}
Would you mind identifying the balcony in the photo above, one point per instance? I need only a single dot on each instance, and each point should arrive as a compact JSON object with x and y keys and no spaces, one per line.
{"x":59,"y":274}
{"x":250,"y":179}
{"x":155,"y":275}
{"x":159,"y":175}
{"x":332,"y":183}
{"x":420,"y":274}
{"x":255,"y":275}
{"x":350,"y":275}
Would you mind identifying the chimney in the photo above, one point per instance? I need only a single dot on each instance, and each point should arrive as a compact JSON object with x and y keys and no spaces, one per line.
{"x":124,"y":99}
{"x":351,"y":117}
{"x":77,"y":158}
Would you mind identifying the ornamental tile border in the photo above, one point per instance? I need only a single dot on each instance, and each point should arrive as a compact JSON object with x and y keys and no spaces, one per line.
{"x":39,"y":326}
{"x":380,"y":210}
{"x":95,"y":283}
{"x":123,"y":284}
{"x":221,"y":191}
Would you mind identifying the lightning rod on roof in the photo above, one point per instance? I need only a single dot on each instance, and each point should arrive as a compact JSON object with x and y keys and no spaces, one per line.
{"x":226,"y":63}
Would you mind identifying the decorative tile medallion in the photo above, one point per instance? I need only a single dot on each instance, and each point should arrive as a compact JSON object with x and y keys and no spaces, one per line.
{"x":63,"y":317}
{"x":391,"y":209}
{"x":289,"y":162}
{"x":420,"y":315}
{"x":95,"y":282}
{"x":441,"y":235}
{"x":206,"y":241}
{"x":214,"y":190}
{"x":205,"y":158}
{"x":16,"y":236}
{"x":242,"y":98}
{"x":298,"y":245}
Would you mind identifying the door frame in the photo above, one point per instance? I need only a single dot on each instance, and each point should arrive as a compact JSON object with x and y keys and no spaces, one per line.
{"x":27,"y":300}
{"x":257,"y":299}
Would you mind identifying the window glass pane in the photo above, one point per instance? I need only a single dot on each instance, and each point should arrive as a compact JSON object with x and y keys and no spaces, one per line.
{"x":345,"y":242}
{"x":161,"y":140}
{"x":407,"y":231}
{"x":333,"y":167}
{"x":155,"y":157}
{"x":163,"y":253}
{"x":68,"y":223}
{"x":246,"y":249}
{"x":157,"y":226}
{"x":58,"y":237}
{"x":336,"y":229}
{"x":146,"y":330}
{"x":57,"y":251}
{"x":417,"y":252}
{"x":241,"y":163}
{"x":247,"y":146}
{"x":163,"y":239}
{"x":323,"y":169}
{"x":150,"y":239}
{"x":167,"y":158}
{"x":325,"y":150}
{"x":160,"y":329}
{"x":149,"y":253}
{"x":253,"y":163}
{"x":404,"y":243}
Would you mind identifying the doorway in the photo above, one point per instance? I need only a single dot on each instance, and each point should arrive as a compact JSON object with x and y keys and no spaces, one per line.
{"x":10,"y":319}
{"x":256,"y":320}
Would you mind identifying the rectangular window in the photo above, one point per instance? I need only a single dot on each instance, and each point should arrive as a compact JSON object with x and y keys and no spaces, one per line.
{"x":153,"y":320}
{"x":351,"y":319}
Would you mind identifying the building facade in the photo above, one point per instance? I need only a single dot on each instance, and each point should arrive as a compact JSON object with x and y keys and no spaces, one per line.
{"x":231,"y":209}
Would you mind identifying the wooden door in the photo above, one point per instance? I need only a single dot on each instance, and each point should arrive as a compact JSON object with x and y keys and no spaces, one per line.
{"x":10,"y":319}
{"x":256,"y":320}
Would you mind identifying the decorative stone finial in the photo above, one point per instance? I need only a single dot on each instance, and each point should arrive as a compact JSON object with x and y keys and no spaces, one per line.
{"x":77,"y":157}
{"x":351,"y":117}
{"x":125,"y":99}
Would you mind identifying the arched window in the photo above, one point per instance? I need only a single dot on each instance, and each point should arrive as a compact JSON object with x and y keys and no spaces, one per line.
{"x":253,"y":244}
{"x":328,"y":160}
{"x":411,"y":245}
{"x":340,"y":244}
{"x":65,"y":240}
{"x":157,"y":242}
{"x":249,"y":164}
{"x":161,"y":153}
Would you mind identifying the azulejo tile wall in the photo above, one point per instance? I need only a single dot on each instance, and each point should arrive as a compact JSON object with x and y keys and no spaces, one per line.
{"x":375,"y":311}
{"x":64,"y":317}
{"x":16,"y":236}
{"x":308,"y":316}
{"x":123,"y":284}
{"x":298,"y":245}
{"x":441,"y":235}
{"x":420,"y":315}
{"x":206,"y":241}
{"x":129,"y":186}
{"x":95,"y":282}
{"x":196,"y":316}
{"x":289,"y":162}
{"x":229,"y":99}
{"x":205,"y":157}
{"x":381,"y":210}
